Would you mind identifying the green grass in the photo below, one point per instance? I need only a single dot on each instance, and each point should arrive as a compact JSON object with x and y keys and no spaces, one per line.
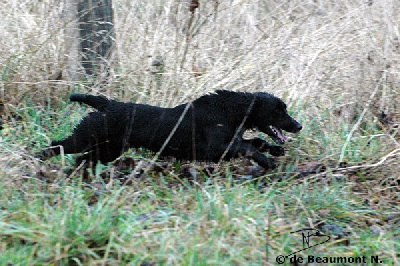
{"x":187,"y":226}
{"x":167,"y":219}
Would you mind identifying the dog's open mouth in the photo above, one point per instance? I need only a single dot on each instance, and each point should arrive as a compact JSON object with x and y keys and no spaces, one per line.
{"x":279,"y":137}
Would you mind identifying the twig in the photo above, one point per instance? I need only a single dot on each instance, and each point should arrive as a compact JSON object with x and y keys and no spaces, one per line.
{"x":238,"y":130}
{"x":357,"y":124}
{"x":165,"y":143}
{"x":365,"y":166}
{"x":382,"y":160}
{"x":187,"y":41}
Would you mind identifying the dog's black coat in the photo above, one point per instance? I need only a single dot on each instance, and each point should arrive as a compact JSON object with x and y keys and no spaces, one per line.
{"x":208,"y":129}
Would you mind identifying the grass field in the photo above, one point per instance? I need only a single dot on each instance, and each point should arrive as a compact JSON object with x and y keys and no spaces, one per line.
{"x":335,"y":63}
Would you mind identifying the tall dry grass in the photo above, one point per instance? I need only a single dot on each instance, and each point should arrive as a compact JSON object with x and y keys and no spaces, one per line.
{"x":316,"y":51}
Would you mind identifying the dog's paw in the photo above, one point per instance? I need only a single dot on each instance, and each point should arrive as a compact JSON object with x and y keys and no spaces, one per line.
{"x":271,"y":164}
{"x":267,"y":163}
{"x":277,"y":151}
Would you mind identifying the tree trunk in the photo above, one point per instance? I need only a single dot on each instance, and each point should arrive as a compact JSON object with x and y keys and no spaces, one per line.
{"x":96,"y":35}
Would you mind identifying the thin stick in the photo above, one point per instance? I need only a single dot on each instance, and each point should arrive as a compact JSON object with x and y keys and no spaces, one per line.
{"x":238,"y":130}
{"x":165,"y":143}
{"x":357,"y":124}
{"x":381,"y":161}
{"x":395,"y":152}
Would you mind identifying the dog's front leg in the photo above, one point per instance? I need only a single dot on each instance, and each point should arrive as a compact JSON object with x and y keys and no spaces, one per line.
{"x":263,"y":146}
{"x":249,"y":151}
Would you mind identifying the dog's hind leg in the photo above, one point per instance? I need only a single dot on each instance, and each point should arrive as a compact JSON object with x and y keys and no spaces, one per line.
{"x":71,"y":144}
{"x":91,"y":131}
{"x":104,"y":152}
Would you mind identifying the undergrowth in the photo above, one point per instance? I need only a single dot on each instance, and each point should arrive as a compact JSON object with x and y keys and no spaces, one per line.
{"x":335,"y":64}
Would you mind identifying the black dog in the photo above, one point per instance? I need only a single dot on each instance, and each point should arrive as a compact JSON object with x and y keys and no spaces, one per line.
{"x":207,"y":129}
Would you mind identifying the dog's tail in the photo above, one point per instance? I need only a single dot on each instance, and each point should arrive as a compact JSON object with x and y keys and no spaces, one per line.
{"x":98,"y":102}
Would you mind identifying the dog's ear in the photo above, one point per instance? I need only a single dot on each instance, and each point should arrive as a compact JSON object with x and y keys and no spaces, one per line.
{"x":282,"y":105}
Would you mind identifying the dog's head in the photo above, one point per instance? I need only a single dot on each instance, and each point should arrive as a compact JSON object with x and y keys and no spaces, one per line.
{"x":271,"y":117}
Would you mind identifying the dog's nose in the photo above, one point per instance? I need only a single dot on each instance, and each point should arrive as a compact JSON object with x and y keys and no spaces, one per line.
{"x":299,"y":126}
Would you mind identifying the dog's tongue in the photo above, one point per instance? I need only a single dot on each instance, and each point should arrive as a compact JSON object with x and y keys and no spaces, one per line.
{"x":279,"y":134}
